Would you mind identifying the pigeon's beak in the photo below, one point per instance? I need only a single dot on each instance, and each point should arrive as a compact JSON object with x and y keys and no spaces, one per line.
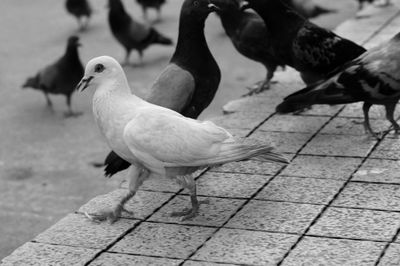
{"x":213,"y":7}
{"x":244,"y":5}
{"x":84,"y":83}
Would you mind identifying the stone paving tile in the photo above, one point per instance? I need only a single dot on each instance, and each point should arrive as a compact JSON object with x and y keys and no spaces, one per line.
{"x":261,"y":105}
{"x":158,"y":184}
{"x":45,"y":254}
{"x":245,"y":247}
{"x":206,"y":263}
{"x":371,"y":196}
{"x":323,"y":110}
{"x":282,"y":141}
{"x":251,"y":167}
{"x":389,"y":148}
{"x":300,"y":189}
{"x":355,"y":110}
{"x":377,"y":170}
{"x":353,"y":126}
{"x":339,"y":145}
{"x":275,"y":216}
{"x":214,"y":213}
{"x":331,"y":252}
{"x":78,"y":230}
{"x":230,"y":185}
{"x":357,"y":224}
{"x":294,"y":123}
{"x":322,"y":167}
{"x":117,"y":259}
{"x":142,"y":204}
{"x":164,"y":240}
{"x":391,"y":257}
{"x":240,"y":120}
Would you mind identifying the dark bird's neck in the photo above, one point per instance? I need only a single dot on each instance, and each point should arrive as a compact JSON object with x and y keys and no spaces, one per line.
{"x":117,"y":16}
{"x":192,"y":51}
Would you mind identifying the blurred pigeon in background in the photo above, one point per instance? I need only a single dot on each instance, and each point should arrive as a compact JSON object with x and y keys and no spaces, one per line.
{"x":313,"y":51}
{"x":130,"y":33}
{"x":61,"y":77}
{"x":250,"y":37}
{"x":189,"y":82}
{"x":156,"y":4}
{"x":80,"y":9}
{"x":308,"y":8}
{"x":372,"y":78}
{"x":158,"y":141}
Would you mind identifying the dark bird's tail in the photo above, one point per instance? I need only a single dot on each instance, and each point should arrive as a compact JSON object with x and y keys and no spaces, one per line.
{"x":32,"y":82}
{"x":157,"y":37}
{"x":323,"y":92}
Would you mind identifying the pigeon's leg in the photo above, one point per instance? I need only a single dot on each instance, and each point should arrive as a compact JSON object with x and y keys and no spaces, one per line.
{"x":137,"y":175}
{"x":126,"y":61}
{"x":367,"y":125}
{"x":49,"y":103}
{"x":390,"y":107}
{"x":158,"y":14}
{"x":264,"y":84}
{"x":140,"y":52}
{"x":144,"y":10}
{"x":71,"y":113}
{"x":189,"y":183}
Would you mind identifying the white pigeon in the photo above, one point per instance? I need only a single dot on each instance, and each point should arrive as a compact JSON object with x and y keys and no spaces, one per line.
{"x":158,"y":141}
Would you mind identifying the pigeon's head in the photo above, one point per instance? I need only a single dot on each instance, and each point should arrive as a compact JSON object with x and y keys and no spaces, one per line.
{"x":198,"y":8}
{"x":246,"y":4}
{"x":73,"y":41}
{"x":100,"y":70}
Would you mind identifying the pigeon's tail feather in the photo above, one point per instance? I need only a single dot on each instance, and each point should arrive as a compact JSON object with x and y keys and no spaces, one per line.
{"x":159,"y":38}
{"x":234,"y":152}
{"x":32,"y":82}
{"x":326,"y":92}
{"x":114,"y":164}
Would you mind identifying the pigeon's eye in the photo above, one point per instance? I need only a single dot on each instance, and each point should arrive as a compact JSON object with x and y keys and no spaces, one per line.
{"x":98,"y":68}
{"x":196,"y":3}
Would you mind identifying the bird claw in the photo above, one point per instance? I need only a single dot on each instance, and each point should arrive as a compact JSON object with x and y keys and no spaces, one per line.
{"x":72,"y":114}
{"x":112,"y":215}
{"x":257,"y":88}
{"x":189,"y":213}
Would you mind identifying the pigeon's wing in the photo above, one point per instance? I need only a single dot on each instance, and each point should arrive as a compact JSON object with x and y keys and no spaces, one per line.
{"x":138,"y":32}
{"x":173,"y":139}
{"x":173,"y":89}
{"x":48,"y":77}
{"x":320,"y":49}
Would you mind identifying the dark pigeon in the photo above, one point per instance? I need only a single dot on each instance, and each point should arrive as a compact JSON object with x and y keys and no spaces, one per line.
{"x":130,"y":33}
{"x":372,"y":78}
{"x":250,"y":37}
{"x":61,"y":77}
{"x":313,"y":51}
{"x":156,"y":4}
{"x":189,"y":82}
{"x":80,"y":9}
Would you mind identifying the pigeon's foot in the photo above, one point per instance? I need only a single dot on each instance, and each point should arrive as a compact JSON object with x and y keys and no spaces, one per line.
{"x":111,"y":215}
{"x":72,"y":114}
{"x":189,"y":213}
{"x":259,"y":87}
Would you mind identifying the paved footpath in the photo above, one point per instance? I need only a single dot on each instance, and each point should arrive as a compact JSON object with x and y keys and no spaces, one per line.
{"x":337,"y":203}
